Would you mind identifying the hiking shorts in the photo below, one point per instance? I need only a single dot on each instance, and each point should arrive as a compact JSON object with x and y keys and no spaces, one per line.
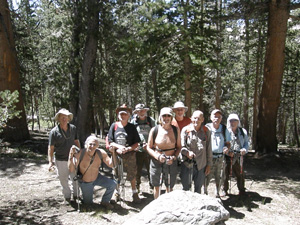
{"x":129,"y":165}
{"x":157,"y":168}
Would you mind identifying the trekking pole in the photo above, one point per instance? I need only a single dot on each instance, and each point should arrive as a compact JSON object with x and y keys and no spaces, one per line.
{"x":191,"y":169}
{"x":241,"y":163}
{"x":77,"y":182}
{"x":222,"y":172}
{"x":160,"y":180}
{"x":169,"y":178}
{"x":230,"y":174}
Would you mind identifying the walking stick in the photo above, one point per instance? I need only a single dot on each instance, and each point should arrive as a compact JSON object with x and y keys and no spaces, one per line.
{"x":121,"y":178}
{"x":241,"y":163}
{"x":222,"y":172}
{"x":160,"y":180}
{"x":230,"y":174}
{"x":169,"y":179}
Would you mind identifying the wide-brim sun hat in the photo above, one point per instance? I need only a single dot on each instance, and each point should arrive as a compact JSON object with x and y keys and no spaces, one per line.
{"x":124,"y":109}
{"x":64,"y":112}
{"x":180,"y":105}
{"x":233,"y":116}
{"x":165,"y":111}
{"x":139,"y":107}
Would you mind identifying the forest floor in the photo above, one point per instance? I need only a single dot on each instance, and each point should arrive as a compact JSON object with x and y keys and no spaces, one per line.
{"x":32,"y":195}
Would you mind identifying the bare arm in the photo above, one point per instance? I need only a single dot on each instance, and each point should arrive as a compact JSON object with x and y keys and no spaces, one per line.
{"x":50,"y":156}
{"x":106,"y":159}
{"x":73,"y":159}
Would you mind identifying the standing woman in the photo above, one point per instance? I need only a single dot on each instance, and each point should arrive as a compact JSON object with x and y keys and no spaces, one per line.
{"x":164,"y":146}
{"x":234,"y":156}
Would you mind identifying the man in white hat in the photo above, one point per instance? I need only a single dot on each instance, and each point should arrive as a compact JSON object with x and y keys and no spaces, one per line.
{"x":220,"y":141}
{"x":61,"y":139}
{"x":164,"y":146}
{"x":180,"y":120}
{"x":143,"y":124}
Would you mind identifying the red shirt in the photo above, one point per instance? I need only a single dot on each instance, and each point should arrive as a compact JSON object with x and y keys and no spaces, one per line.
{"x":186,"y":121}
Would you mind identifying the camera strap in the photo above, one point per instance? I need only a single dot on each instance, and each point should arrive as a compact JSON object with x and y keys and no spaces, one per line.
{"x":92,"y":160}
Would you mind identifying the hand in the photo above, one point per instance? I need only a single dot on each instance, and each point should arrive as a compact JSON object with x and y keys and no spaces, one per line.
{"x":170,"y":160}
{"x":111,"y":149}
{"x":191,"y":155}
{"x":145,"y":146}
{"x":51,"y":166}
{"x":120,"y":151}
{"x":225,"y":150}
{"x":243,"y":151}
{"x":161,"y":158}
{"x":207,"y":170}
{"x":74,"y":149}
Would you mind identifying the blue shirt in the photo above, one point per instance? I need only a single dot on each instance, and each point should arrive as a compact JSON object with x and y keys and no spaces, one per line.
{"x":217,"y":138}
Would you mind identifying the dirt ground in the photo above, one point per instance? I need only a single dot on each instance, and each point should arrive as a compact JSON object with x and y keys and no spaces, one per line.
{"x":32,"y":195}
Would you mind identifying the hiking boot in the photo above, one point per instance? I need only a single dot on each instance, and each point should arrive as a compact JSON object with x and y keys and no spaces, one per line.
{"x":118,"y":197}
{"x":107,"y":205}
{"x":136,"y":198}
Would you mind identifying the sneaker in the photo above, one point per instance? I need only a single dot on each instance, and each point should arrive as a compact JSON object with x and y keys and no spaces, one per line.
{"x":107,"y":205}
{"x":136,"y":198}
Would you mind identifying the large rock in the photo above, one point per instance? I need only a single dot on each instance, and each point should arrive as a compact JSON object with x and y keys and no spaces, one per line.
{"x":181,"y":207}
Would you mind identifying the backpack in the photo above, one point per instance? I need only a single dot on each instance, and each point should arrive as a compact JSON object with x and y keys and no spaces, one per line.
{"x":223,"y":130}
{"x":156,"y":131}
{"x":106,"y":138}
{"x":242,"y":132}
{"x":205,"y":129}
{"x":148,"y":121}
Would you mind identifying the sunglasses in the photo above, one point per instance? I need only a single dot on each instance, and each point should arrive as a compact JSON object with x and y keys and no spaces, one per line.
{"x":233,"y":120}
{"x":166,"y":115}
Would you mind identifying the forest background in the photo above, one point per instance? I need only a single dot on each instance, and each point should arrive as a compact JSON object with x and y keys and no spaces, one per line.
{"x":92,"y":56}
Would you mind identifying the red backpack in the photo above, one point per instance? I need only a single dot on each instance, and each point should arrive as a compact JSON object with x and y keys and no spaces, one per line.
{"x":106,"y":138}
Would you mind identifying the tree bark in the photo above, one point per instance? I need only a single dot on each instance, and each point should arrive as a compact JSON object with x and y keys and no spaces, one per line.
{"x":187,"y":63}
{"x":16,"y":129}
{"x":246,"y":78}
{"x":257,"y":87}
{"x":74,"y":56}
{"x":273,"y":73}
{"x":85,"y":112}
{"x":218,"y":54}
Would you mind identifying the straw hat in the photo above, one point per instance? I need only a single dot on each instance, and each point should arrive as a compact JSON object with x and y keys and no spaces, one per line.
{"x":64,"y":112}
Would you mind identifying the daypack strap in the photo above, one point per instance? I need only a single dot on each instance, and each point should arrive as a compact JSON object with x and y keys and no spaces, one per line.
{"x":155,"y":131}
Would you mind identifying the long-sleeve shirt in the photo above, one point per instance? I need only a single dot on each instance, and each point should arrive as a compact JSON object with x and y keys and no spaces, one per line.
{"x":199,"y":142}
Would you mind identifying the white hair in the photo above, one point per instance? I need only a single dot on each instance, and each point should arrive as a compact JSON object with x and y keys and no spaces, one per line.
{"x":90,"y":139}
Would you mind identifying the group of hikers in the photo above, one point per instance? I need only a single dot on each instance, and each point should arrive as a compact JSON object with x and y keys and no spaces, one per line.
{"x":134,"y":141}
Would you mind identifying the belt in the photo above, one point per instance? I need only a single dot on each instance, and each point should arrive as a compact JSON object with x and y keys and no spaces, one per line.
{"x":165,"y":150}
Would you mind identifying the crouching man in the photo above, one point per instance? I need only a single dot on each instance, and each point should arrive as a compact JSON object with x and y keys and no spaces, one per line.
{"x":88,"y":161}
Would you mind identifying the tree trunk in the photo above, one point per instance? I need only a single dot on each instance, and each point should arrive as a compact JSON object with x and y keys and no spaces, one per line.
{"x":202,"y":71}
{"x":155,"y":88}
{"x":187,"y":63}
{"x":219,"y":58}
{"x":256,"y":88}
{"x":16,"y":129}
{"x":85,"y":112}
{"x":273,"y":73}
{"x":246,"y":78}
{"x":74,"y":56}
